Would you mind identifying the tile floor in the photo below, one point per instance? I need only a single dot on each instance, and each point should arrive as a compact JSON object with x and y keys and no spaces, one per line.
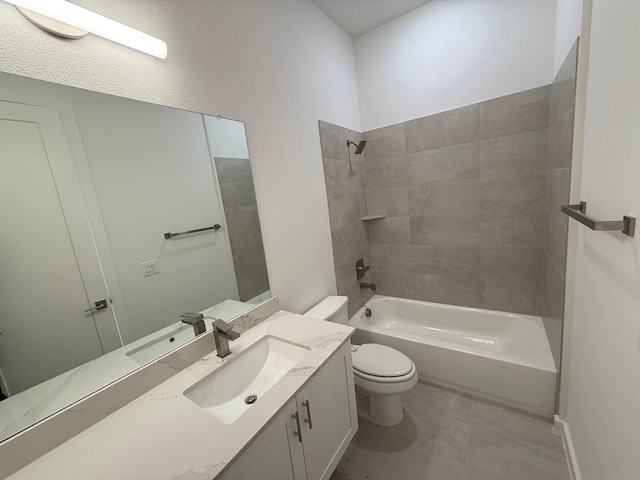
{"x":447,"y":435}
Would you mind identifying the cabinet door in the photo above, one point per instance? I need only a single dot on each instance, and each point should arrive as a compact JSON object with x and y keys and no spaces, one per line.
{"x":327,"y":407}
{"x":275,"y":454}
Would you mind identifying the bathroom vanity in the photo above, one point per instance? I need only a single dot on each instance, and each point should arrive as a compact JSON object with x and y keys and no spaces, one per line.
{"x":197,"y":425}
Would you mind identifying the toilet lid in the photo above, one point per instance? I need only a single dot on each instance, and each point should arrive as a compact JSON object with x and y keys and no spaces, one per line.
{"x":381,"y":361}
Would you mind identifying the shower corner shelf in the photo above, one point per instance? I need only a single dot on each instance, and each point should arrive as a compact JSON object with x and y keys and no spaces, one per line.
{"x":369,"y":218}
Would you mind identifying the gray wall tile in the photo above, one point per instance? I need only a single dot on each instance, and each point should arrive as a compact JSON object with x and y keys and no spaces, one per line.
{"x":556,"y":242}
{"x":391,"y":257}
{"x":522,"y":152}
{"x":463,"y":261}
{"x":442,"y":129}
{"x":459,"y":196}
{"x":350,"y":242}
{"x":329,"y":140}
{"x":511,"y":263}
{"x":553,"y":326}
{"x":561,"y":141}
{"x":520,"y":112}
{"x":457,"y":162}
{"x":458,"y":210}
{"x":554,"y":287}
{"x":563,"y":88}
{"x":390,"y":231}
{"x":513,"y":193}
{"x":245,"y":238}
{"x":393,"y":283}
{"x":386,"y":172}
{"x":333,"y":140}
{"x":385,"y":142}
{"x":238,"y":217}
{"x":237,"y":194}
{"x":558,"y":182}
{"x":233,"y":170}
{"x":357,"y":297}
{"x":511,"y":295}
{"x":454,"y":290}
{"x":519,"y":228}
{"x":561,"y":119}
{"x":452,"y":229}
{"x":344,"y":210}
{"x":388,"y":201}
{"x":362,"y":201}
{"x":340,"y":179}
{"x":345,"y":274}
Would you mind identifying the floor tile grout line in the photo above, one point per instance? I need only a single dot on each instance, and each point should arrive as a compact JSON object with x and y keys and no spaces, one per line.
{"x":466,"y":453}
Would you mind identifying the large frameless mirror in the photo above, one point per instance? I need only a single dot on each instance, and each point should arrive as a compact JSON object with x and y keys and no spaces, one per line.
{"x":117,"y":217}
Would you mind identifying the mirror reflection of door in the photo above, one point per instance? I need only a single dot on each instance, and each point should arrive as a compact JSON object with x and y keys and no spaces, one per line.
{"x":44,"y":328}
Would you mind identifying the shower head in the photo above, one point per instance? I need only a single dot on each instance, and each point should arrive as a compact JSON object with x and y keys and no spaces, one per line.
{"x":359,"y":146}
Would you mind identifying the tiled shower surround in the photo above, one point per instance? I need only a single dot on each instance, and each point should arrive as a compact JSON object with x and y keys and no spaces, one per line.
{"x":561,"y":121}
{"x":463,"y":192}
{"x":347,"y":205}
{"x":472,"y":203}
{"x":243,"y":224}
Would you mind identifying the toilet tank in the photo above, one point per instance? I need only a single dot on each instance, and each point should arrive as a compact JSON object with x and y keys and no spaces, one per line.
{"x":333,"y":309}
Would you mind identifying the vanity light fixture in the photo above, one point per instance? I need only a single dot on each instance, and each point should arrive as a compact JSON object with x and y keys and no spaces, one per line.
{"x":81,"y":18}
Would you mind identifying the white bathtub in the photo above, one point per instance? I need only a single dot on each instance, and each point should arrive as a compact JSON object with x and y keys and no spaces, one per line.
{"x":499,"y":356}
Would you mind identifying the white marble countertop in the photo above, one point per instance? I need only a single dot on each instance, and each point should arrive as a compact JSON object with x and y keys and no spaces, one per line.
{"x":164,"y":435}
{"x":35,"y":404}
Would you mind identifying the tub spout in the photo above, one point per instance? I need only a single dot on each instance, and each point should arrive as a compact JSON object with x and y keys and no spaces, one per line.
{"x":372,"y":286}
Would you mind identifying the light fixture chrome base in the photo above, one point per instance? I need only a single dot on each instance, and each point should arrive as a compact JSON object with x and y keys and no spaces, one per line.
{"x":53,"y":26}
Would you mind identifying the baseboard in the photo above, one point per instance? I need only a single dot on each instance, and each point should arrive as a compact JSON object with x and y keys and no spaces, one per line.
{"x":561,"y":428}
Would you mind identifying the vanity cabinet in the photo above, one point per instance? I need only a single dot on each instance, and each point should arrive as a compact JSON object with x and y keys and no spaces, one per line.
{"x":307,"y":439}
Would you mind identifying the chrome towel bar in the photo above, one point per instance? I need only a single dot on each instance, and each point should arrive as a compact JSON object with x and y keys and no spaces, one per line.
{"x":168,"y":235}
{"x":579,"y":212}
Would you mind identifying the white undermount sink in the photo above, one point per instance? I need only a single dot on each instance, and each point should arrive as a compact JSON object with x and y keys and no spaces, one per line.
{"x":161,"y":345}
{"x":255,"y":370}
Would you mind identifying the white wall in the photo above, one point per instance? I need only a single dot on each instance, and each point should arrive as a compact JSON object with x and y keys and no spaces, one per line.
{"x":228,"y":139}
{"x":604,"y":381}
{"x":279,"y":66}
{"x":448,"y":54}
{"x":568,"y":24}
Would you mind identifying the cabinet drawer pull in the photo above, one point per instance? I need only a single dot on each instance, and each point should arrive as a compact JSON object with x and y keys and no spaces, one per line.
{"x":308,"y":419}
{"x":299,"y":432}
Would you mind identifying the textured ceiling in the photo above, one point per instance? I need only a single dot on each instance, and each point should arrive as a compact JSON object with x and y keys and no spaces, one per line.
{"x":359,"y":16}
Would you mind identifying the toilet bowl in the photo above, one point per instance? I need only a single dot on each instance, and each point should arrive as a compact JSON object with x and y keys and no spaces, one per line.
{"x":381,"y":374}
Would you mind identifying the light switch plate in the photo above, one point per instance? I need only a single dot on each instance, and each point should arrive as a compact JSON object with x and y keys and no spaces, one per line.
{"x":150,"y":268}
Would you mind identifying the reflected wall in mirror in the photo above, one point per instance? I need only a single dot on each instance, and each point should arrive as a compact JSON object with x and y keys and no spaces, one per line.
{"x":90,"y":288}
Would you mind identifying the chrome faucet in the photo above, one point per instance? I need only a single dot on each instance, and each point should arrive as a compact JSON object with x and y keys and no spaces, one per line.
{"x":196,"y":320}
{"x":223,"y":334}
{"x":372,"y":286}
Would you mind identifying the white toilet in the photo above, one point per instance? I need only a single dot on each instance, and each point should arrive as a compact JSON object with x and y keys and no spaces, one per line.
{"x":381,"y":373}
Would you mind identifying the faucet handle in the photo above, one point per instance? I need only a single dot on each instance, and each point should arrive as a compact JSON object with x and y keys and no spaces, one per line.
{"x":221,"y":325}
{"x":192,"y":318}
{"x":225,"y":329}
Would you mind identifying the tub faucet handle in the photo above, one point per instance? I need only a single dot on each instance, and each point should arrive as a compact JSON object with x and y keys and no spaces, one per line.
{"x":361,"y":268}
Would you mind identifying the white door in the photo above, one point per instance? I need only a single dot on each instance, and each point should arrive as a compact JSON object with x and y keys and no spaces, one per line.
{"x":603,"y":381}
{"x":44,"y":330}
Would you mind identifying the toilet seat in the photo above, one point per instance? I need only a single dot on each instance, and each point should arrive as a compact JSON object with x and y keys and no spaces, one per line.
{"x":376,"y":379}
{"x":372,"y":360}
